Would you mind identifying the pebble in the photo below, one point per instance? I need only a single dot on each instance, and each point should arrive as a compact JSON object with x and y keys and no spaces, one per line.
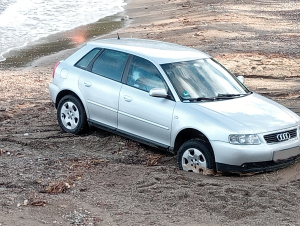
{"x":125,"y":18}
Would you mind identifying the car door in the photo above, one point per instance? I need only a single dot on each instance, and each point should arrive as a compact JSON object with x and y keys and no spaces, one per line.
{"x":140,"y":114}
{"x":101,"y":86}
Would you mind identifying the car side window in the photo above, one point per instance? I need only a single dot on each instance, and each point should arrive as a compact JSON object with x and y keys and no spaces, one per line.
{"x":85,"y":61}
{"x":144,"y":75}
{"x":110,"y":64}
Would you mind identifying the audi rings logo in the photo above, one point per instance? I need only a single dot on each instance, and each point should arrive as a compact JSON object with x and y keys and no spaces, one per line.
{"x":283,"y":136}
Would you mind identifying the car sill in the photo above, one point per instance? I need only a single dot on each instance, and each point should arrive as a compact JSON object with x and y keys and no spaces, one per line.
{"x":131,"y":136}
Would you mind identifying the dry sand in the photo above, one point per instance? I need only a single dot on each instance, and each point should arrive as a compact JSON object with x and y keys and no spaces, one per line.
{"x":52,"y":178}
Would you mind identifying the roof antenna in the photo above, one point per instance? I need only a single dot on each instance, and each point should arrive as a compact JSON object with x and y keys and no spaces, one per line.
{"x":118,"y":36}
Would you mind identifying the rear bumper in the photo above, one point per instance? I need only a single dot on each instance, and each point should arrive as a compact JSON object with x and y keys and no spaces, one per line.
{"x":54,"y":90}
{"x":257,"y":167}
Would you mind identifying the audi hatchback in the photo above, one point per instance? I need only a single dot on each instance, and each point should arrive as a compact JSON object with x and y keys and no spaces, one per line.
{"x":175,"y":98}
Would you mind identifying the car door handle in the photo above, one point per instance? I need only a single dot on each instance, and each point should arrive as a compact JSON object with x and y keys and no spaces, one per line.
{"x":127,"y":98}
{"x":87,"y":84}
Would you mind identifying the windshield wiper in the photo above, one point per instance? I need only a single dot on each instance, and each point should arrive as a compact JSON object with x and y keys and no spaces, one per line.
{"x":219,"y":97}
{"x":201,"y":99}
{"x":229,"y":95}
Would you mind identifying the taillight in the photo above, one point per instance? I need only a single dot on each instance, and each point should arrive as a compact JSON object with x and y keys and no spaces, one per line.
{"x":55,"y":66}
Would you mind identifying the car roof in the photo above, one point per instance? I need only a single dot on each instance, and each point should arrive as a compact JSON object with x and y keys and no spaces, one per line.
{"x":156,"y":51}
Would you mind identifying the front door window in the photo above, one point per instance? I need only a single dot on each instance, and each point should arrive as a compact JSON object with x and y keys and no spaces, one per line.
{"x":144,"y":75}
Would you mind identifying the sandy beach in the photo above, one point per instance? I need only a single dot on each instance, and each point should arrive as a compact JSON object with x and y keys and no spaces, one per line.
{"x":48,"y":177}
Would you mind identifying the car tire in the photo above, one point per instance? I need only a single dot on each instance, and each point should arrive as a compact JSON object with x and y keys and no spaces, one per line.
{"x":71,"y":115}
{"x":194,"y":156}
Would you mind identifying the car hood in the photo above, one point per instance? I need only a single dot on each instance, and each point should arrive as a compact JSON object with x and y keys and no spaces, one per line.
{"x":255,"y":112}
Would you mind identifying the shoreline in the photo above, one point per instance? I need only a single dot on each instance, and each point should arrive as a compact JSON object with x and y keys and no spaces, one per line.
{"x":47,"y":51}
{"x":67,"y":41}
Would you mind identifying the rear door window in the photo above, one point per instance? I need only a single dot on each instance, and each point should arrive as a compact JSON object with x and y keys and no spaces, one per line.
{"x":110,"y":64}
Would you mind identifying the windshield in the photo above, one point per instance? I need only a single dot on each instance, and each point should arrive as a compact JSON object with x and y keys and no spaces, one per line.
{"x":203,"y":79}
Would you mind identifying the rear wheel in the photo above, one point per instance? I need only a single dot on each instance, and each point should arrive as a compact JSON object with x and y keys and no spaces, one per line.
{"x":71,"y":115}
{"x":193,"y":156}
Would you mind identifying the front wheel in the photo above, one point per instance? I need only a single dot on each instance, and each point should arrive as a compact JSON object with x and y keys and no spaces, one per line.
{"x":71,"y":115}
{"x":193,"y":156}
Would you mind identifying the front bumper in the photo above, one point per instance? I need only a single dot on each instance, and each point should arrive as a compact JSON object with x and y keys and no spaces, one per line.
{"x":255,"y":158}
{"x":257,"y":167}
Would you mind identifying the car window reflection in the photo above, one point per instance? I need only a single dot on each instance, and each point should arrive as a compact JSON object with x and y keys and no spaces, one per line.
{"x":110,"y":64}
{"x":144,"y":75}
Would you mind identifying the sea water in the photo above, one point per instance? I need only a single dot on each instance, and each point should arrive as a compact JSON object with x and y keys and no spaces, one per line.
{"x":25,"y":21}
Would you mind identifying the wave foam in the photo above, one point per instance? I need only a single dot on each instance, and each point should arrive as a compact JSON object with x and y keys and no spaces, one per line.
{"x":24,"y":21}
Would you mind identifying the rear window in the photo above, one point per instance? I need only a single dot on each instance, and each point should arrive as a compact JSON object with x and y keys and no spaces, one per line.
{"x":85,"y":61}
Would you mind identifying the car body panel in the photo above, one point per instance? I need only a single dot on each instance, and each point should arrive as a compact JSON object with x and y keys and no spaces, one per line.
{"x":213,"y":125}
{"x":101,"y":97}
{"x":254,"y":112}
{"x":143,"y":115}
{"x":68,"y":83}
{"x":155,"y":51}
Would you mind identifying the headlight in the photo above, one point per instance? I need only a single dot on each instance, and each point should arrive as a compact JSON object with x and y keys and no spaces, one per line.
{"x":244,"y":139}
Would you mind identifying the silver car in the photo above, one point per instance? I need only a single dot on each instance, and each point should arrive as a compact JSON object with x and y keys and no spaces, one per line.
{"x":175,"y":98}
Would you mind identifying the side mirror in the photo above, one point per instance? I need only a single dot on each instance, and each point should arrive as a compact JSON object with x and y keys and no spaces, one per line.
{"x":241,"y":78}
{"x":157,"y":92}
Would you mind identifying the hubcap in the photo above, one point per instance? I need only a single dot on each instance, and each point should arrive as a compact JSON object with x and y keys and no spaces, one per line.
{"x":193,"y":160}
{"x":69,"y":115}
